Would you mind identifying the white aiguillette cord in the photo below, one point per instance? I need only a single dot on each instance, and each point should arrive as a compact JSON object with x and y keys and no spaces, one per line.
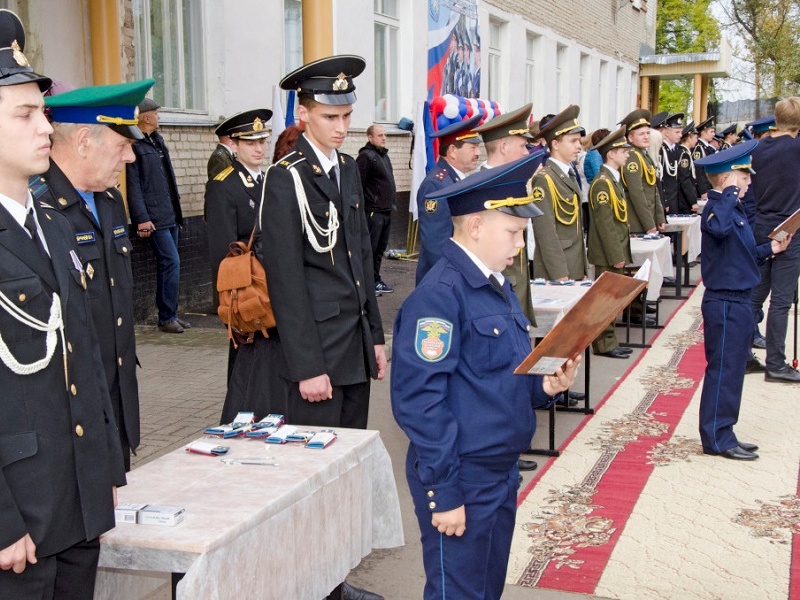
{"x":55,"y":323}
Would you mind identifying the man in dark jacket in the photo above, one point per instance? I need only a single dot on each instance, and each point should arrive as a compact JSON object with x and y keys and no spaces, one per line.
{"x":81,"y":184}
{"x":59,"y":449}
{"x":377,"y":181}
{"x":155,"y":208}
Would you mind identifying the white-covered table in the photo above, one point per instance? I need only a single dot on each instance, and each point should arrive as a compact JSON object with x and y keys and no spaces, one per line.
{"x":660,"y":255}
{"x":551,"y":303}
{"x":690,"y":226}
{"x":253,"y":531}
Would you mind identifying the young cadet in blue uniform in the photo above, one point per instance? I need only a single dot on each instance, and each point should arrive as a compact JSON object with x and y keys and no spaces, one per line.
{"x":730,"y":272}
{"x":458,"y":157}
{"x":457,"y":340}
{"x":59,"y":449}
{"x":85,"y":160}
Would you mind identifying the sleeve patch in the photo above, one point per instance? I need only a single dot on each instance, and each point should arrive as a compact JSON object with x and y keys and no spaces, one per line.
{"x":433,"y":339}
{"x":684,"y":163}
{"x":633,"y":167}
{"x":537,"y":193}
{"x":602,"y":198}
{"x":431,"y":206}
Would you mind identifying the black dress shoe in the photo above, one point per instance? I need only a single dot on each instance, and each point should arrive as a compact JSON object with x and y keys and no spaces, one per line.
{"x":760,"y":342}
{"x":737,"y":453}
{"x":615,"y":353}
{"x":562,"y":401}
{"x":527,"y":465}
{"x":625,"y":350}
{"x":353,"y":593}
{"x":784,"y":374}
{"x":182,"y":323}
{"x":651,"y":310}
{"x":577,"y":396}
{"x":747,"y":446}
{"x":668,"y":281}
{"x":754,"y":366}
{"x":648,"y":322}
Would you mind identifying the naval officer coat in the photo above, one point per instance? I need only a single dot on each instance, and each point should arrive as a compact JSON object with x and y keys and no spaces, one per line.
{"x":645,"y":211}
{"x":59,"y":449}
{"x":324,"y":302}
{"x":105,"y":251}
{"x":560,"y":251}
{"x":435,"y":223}
{"x":231,"y":204}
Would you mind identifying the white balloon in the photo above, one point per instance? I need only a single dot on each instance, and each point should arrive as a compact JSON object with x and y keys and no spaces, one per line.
{"x":451,"y":110}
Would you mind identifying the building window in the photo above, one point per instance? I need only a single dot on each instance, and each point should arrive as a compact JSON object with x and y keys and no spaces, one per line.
{"x":495,"y":89}
{"x":169,"y":48}
{"x":561,"y":75}
{"x":583,"y":90}
{"x":602,"y":92}
{"x":387,"y":67}
{"x":622,"y":100}
{"x":292,"y":35}
{"x":533,"y":44}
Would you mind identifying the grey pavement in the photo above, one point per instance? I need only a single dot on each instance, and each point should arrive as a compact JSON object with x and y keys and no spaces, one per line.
{"x":182,"y":389}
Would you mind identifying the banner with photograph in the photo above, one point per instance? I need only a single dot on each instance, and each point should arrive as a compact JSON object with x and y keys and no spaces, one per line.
{"x":454,"y":48}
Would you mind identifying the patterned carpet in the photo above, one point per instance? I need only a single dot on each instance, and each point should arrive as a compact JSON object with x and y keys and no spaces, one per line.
{"x":633,"y":510}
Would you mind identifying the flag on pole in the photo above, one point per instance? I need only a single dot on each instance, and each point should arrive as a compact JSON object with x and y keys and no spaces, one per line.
{"x":421,"y":160}
{"x":290,"y":108}
{"x":278,"y":120}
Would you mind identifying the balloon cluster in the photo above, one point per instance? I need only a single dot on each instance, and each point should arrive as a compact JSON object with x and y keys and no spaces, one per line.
{"x":449,"y":109}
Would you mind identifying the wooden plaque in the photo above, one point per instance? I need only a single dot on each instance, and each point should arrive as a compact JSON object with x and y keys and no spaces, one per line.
{"x":607,"y":297}
{"x":788,"y":227}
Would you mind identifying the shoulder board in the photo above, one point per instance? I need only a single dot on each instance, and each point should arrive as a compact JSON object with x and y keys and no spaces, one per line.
{"x":439,"y":173}
{"x":38,"y":186}
{"x":345,"y":157}
{"x":222,"y":175}
{"x":289,"y":161}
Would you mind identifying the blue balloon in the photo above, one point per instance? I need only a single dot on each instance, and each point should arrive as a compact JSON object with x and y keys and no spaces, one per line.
{"x":442,"y":122}
{"x":462,"y":109}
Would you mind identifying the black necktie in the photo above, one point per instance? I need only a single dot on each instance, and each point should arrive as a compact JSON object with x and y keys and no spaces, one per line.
{"x":260,"y":178}
{"x":332,"y":176}
{"x":496,"y":283}
{"x":30,"y":225}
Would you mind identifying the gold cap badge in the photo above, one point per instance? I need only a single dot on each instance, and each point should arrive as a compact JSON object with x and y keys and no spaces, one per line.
{"x":340,"y":85}
{"x":19,"y":57}
{"x":258,"y":125}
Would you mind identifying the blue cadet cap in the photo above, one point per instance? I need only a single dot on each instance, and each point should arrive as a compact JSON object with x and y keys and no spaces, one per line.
{"x":114,"y":105}
{"x":735,"y":158}
{"x":674,"y":121}
{"x":762,"y":125}
{"x":745,"y":135}
{"x":503,"y":188}
{"x":459,"y":132}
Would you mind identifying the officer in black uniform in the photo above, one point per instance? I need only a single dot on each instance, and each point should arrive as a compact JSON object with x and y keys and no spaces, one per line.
{"x":458,"y":157}
{"x":687,"y":186}
{"x":231,"y":204}
{"x":730,"y":272}
{"x":318,"y":259}
{"x":85,"y":160}
{"x":234,"y":194}
{"x":705,"y":133}
{"x":671,"y":131}
{"x":59,"y":448}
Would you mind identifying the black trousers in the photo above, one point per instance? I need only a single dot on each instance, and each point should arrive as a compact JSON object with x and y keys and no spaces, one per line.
{"x":349,"y":407}
{"x":68,"y":575}
{"x":379,"y":224}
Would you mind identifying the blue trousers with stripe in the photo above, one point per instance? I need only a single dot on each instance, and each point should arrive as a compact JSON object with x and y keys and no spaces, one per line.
{"x":728,"y":331}
{"x":473,"y":566}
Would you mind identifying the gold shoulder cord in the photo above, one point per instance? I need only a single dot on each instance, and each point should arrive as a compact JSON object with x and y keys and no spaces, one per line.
{"x":649,"y":172}
{"x":562,"y":205}
{"x":619,"y":205}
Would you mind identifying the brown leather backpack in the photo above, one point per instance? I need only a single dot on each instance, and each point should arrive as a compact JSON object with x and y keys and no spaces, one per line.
{"x":244,"y":304}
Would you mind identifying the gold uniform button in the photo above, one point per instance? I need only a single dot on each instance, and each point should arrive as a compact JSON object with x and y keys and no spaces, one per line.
{"x":22,"y":297}
{"x":119,"y":361}
{"x":62,"y":201}
{"x":496,"y":331}
{"x":79,"y":430}
{"x":356,"y":204}
{"x":431,"y":505}
{"x":327,"y":214}
{"x":69,"y":346}
{"x":431,"y":493}
{"x":73,"y":390}
{"x":119,"y":322}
